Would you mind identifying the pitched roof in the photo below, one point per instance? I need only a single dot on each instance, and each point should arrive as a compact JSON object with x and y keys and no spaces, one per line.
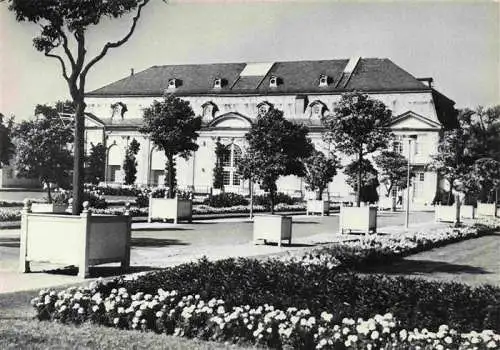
{"x":370,"y":74}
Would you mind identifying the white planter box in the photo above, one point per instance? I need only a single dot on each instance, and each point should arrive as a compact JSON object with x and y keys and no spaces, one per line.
{"x":486,"y":209}
{"x":467,"y":212}
{"x":317,"y":206}
{"x":48,"y":208}
{"x":82,"y":240}
{"x":359,"y":219}
{"x":272,"y":228}
{"x":445,"y":213}
{"x":170,"y":208}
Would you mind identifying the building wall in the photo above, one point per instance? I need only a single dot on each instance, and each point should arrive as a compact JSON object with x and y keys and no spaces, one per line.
{"x":197,"y":171}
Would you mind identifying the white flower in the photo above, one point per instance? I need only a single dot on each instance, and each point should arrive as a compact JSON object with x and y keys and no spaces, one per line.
{"x":448,"y":340}
{"x":116,"y":320}
{"x":80,"y":310}
{"x":374,"y":335}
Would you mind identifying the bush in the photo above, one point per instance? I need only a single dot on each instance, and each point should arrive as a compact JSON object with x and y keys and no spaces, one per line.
{"x":279,"y":198}
{"x":225,"y":200}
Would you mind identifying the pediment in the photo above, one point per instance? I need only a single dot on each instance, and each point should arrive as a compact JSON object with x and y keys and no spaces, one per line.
{"x":411,"y":120}
{"x":231,"y":120}
{"x":92,"y":121}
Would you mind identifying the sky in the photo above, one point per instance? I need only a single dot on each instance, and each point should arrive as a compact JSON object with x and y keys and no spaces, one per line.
{"x":455,"y":42}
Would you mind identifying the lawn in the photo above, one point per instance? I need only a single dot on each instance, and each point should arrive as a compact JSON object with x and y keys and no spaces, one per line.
{"x":18,"y":330}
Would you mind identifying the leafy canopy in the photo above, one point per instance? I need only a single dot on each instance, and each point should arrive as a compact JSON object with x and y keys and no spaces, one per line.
{"x":43,"y":150}
{"x":6,"y":146}
{"x":172,"y":126}
{"x":95,"y":170}
{"x":393,"y":168}
{"x":276,"y":147}
{"x":358,"y":125}
{"x":320,"y":170}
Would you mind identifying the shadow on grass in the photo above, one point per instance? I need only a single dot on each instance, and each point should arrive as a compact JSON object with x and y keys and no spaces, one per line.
{"x":13,"y":242}
{"x":101,"y":271}
{"x":155,"y":242}
{"x":408,"y":266}
{"x":165,"y":228}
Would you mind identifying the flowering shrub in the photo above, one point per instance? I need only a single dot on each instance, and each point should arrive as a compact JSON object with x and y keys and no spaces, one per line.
{"x":227,"y":199}
{"x":193,"y":316}
{"x":10,"y":214}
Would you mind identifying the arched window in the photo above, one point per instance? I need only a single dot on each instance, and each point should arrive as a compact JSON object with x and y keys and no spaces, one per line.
{"x":115,"y":159}
{"x":230,"y":160}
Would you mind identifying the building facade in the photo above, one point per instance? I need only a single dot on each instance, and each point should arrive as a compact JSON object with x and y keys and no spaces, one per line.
{"x":229,"y":97}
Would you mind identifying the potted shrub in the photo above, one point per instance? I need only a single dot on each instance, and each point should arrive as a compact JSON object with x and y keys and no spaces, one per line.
{"x":358,"y":126}
{"x":81,"y":240}
{"x":319,"y":171}
{"x":58,"y":205}
{"x":272,"y":228}
{"x":173,"y":127}
{"x":178,"y":208}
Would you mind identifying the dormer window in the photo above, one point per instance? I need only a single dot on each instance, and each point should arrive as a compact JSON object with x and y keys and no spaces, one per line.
{"x":273,"y":81}
{"x":217,"y":83}
{"x":323,"y":80}
{"x":172,"y":83}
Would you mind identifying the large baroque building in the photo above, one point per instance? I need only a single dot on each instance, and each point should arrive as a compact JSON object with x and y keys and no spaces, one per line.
{"x":230,"y":96}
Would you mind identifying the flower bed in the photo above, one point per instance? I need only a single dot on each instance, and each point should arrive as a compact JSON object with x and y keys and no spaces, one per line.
{"x":196,"y":316}
{"x":10,"y":214}
{"x":376,"y":249}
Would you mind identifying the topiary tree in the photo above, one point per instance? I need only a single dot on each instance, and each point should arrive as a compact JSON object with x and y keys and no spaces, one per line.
{"x":96,"y":166}
{"x":130,"y":162}
{"x":51,"y":159}
{"x":63,"y":37}
{"x":393,"y":172}
{"x":6,"y":146}
{"x":221,"y":151}
{"x":358,"y":126}
{"x":319,"y":171}
{"x":369,"y":180}
{"x":276,"y":147}
{"x":172,"y":126}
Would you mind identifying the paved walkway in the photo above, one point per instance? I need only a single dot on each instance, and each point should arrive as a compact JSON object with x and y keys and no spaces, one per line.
{"x":159,"y":245}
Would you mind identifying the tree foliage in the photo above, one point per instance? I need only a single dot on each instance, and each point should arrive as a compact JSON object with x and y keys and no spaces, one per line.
{"x":369,"y":180}
{"x":276,"y":147}
{"x":319,"y":171}
{"x":95,"y":170}
{"x":172,"y":126}
{"x":393,"y":170}
{"x":130,"y":162}
{"x":43,"y":151}
{"x":64,"y":27}
{"x":6,"y":146}
{"x":357,"y":126}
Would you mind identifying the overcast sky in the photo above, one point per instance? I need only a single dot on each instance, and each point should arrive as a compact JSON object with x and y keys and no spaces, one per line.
{"x":456,"y":43}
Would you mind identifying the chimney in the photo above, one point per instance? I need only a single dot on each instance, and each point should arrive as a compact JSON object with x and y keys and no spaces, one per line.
{"x":427,"y":81}
{"x":131,"y":71}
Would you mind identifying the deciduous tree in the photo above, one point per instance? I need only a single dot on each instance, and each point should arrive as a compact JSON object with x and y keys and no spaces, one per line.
{"x":172,"y":126}
{"x":358,"y":126}
{"x":369,"y":180}
{"x":393,"y":173}
{"x":276,"y":147}
{"x":319,"y":171}
{"x":6,"y":146}
{"x":43,"y":150}
{"x":130,"y":162}
{"x":96,"y":166}
{"x":64,"y":26}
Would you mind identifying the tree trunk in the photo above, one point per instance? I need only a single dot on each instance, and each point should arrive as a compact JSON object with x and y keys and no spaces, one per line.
{"x":170,"y":176}
{"x":271,"y":200}
{"x":319,"y":195}
{"x":358,"y":194}
{"x":49,"y":195}
{"x":78,"y":176}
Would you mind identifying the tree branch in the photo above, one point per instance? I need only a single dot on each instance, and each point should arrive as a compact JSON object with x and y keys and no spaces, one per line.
{"x":63,"y":65}
{"x":111,"y":45}
{"x":66,"y":47}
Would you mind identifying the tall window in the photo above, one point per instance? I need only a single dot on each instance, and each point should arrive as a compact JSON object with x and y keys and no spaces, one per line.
{"x":397,"y":144}
{"x":230,"y":175}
